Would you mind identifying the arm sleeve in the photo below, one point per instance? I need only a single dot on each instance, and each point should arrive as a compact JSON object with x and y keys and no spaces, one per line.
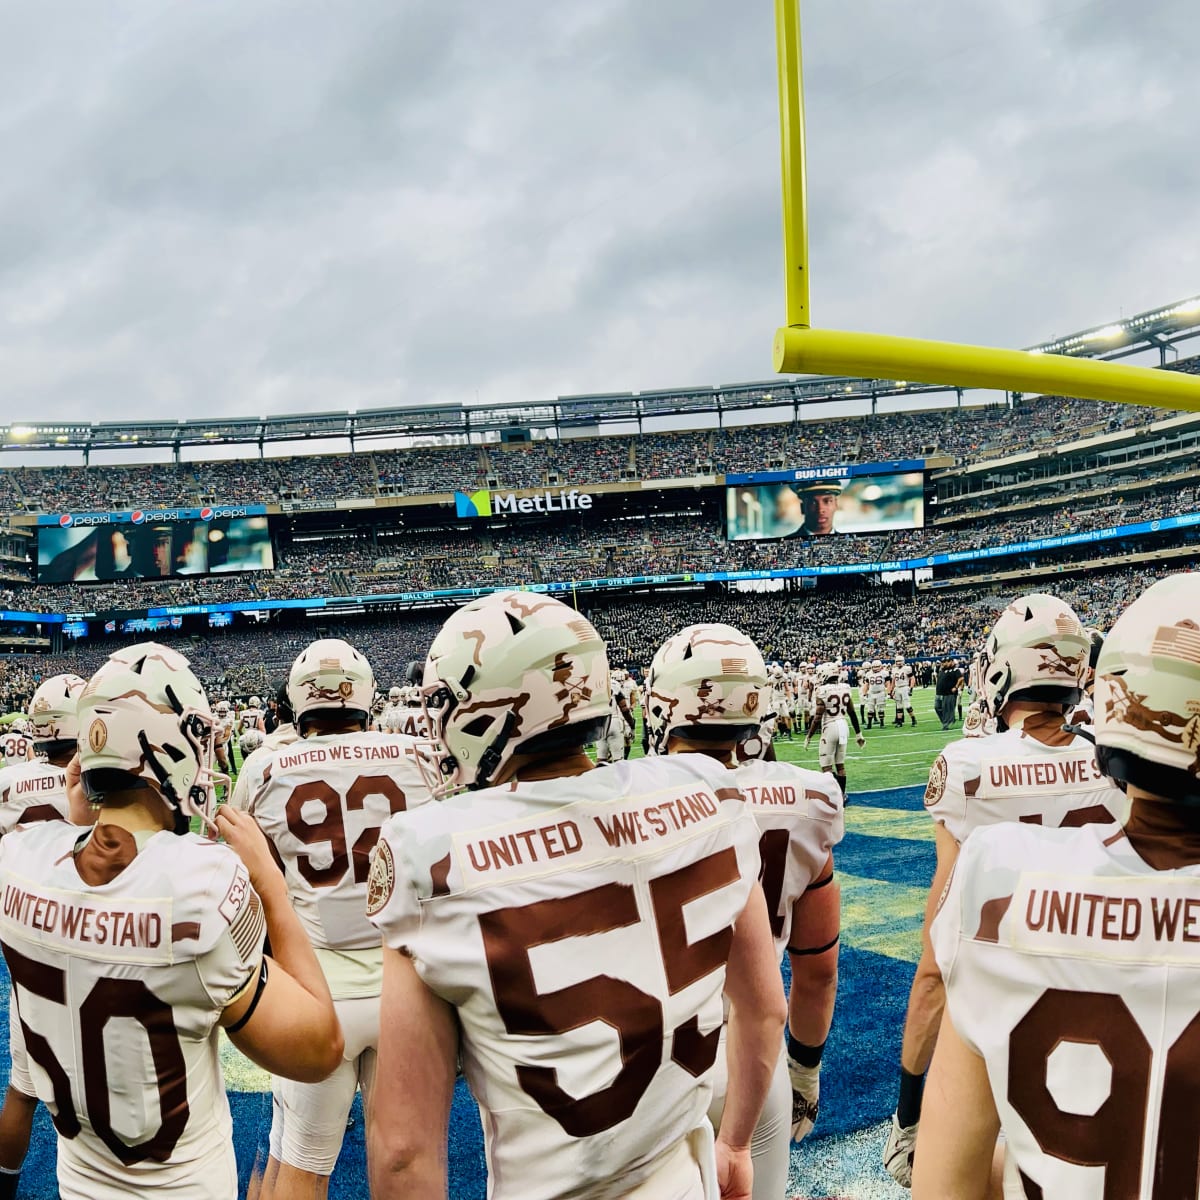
{"x":945,"y":799}
{"x":946,"y":935}
{"x":236,"y":952}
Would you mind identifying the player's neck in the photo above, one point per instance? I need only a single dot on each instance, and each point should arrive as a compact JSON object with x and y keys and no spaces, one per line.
{"x":575,"y":763}
{"x":134,"y":817}
{"x":1164,"y":835}
{"x":1017,"y":712}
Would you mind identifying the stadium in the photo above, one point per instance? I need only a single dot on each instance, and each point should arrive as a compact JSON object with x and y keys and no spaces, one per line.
{"x":631,"y":521}
{"x":868,"y":533}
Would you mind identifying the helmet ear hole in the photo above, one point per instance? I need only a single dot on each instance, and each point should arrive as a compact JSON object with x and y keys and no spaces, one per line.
{"x":478,"y":727}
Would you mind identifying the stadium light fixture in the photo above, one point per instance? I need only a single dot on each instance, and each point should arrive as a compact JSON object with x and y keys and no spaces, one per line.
{"x":800,"y":349}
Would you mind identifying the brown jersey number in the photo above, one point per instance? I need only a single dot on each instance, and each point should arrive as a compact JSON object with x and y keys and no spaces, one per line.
{"x":329,"y":828}
{"x":108,"y":1000}
{"x":1113,"y":1136}
{"x":510,"y":934}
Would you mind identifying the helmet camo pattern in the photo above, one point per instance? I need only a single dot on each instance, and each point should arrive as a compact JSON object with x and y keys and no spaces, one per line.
{"x":145,"y":714}
{"x":54,"y":710}
{"x":331,"y":678}
{"x":705,"y":676}
{"x":1147,"y":697}
{"x":503,"y":670}
{"x":1037,"y":642}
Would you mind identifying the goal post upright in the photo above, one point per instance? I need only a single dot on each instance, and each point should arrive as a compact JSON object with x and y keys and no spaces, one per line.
{"x":800,"y":349}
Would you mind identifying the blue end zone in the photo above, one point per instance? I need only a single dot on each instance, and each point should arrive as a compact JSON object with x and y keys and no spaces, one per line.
{"x":902,"y":797}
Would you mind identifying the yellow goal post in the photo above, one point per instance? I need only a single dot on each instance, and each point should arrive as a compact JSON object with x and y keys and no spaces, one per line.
{"x":802,"y":350}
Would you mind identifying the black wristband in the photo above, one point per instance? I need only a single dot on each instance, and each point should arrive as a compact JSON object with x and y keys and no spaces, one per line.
{"x":912,"y":1088}
{"x":806,"y":1056}
{"x":259,"y":988}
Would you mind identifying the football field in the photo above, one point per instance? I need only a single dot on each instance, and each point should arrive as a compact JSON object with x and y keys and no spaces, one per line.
{"x":885,"y":864}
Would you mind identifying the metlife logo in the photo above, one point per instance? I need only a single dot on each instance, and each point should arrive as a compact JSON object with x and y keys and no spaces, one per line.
{"x":484,"y":503}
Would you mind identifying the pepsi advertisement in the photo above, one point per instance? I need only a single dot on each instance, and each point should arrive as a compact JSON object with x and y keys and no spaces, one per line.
{"x":152,"y":544}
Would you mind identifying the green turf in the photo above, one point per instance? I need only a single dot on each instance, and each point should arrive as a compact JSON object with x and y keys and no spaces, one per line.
{"x":892,"y":757}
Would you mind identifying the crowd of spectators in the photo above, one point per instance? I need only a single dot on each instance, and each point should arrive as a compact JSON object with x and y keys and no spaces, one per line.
{"x":964,"y":433}
{"x":852,"y":622}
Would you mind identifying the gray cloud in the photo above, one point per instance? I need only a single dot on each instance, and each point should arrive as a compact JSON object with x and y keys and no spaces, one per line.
{"x":265,"y":207}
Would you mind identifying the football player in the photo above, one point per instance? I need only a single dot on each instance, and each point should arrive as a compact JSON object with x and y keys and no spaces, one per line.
{"x":834,"y":704}
{"x":707,"y":682}
{"x":250,"y":777}
{"x":390,"y":716}
{"x":1031,"y":771}
{"x":542,"y":921}
{"x":252,"y":716}
{"x":16,"y":746}
{"x":321,"y":803}
{"x":902,"y":690}
{"x":1067,"y":953}
{"x":223,"y":737}
{"x":139,"y":922}
{"x":31,"y":792}
{"x":37,"y":790}
{"x":612,"y":746}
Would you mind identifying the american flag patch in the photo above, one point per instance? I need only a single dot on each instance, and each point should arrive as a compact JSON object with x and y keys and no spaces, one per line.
{"x":248,"y":928}
{"x":733,"y":666}
{"x":1176,"y":641}
{"x":329,"y":664}
{"x":581,"y":629}
{"x":1065,"y":624}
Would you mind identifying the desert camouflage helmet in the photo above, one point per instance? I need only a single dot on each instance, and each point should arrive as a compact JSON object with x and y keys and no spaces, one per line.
{"x":707,"y":682}
{"x":1147,"y":698}
{"x":144,"y":721}
{"x":511,"y":672}
{"x":1037,"y":650}
{"x":54,"y":710}
{"x":330,"y":679}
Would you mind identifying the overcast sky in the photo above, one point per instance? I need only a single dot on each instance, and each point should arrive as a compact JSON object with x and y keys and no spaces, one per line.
{"x":238,"y":207}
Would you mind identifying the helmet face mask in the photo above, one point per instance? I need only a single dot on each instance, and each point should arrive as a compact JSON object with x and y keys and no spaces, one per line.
{"x":1037,"y":650}
{"x":706,"y":683}
{"x":145,"y":722}
{"x":509,"y":673}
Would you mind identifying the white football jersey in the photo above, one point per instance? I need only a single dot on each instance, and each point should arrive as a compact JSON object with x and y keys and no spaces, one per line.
{"x":837,"y":702}
{"x":118,"y":988}
{"x":877,"y":681}
{"x":799,"y":817}
{"x":401,"y":718}
{"x":16,"y":748}
{"x":250,"y":777}
{"x":30,"y":792}
{"x":252,"y":718}
{"x":581,"y":929}
{"x":322,"y":802}
{"x":1037,"y":775}
{"x":1072,"y":967}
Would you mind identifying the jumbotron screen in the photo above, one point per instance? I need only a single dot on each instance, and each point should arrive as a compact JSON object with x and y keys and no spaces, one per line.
{"x":154,"y":550}
{"x":820,"y":507}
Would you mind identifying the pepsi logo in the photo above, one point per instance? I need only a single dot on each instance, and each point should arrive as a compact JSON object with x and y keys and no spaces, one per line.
{"x":137,"y":516}
{"x":66,"y":521}
{"x":206,"y":514}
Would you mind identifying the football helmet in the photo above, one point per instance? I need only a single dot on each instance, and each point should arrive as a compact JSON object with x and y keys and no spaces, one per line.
{"x":706,"y":683}
{"x":54,"y":713}
{"x":509,"y":673}
{"x":395,"y":695}
{"x":222,"y":708}
{"x":330,"y":678}
{"x":144,"y":721}
{"x":828,"y":672}
{"x":1037,"y":650}
{"x":250,"y":741}
{"x":255,"y":702}
{"x":1147,"y":699}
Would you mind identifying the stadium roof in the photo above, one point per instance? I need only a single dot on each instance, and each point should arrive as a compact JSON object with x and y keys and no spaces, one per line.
{"x":1158,"y":329}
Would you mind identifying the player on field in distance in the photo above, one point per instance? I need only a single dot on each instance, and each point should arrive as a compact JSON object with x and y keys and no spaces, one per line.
{"x":321,"y":803}
{"x":902,"y":682}
{"x":1070,"y":958}
{"x":137,"y":922}
{"x":16,"y":744}
{"x":612,"y":745}
{"x":31,"y":792}
{"x":543,"y":922}
{"x":834,"y":704}
{"x":250,"y":777}
{"x":706,"y":685}
{"x":1031,"y":771}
